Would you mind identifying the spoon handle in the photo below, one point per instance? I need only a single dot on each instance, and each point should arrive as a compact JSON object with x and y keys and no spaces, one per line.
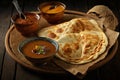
{"x":15,"y":2}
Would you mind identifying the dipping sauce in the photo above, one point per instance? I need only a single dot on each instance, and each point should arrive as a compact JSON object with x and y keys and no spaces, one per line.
{"x":53,"y":11}
{"x":30,"y":19}
{"x":53,"y":8}
{"x":38,"y":49}
{"x":27,"y":26}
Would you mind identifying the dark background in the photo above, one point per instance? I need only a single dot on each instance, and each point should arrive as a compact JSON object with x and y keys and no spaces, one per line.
{"x":10,"y":70}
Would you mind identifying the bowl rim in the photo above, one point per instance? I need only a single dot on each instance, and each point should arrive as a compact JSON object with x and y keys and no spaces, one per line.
{"x":37,"y":38}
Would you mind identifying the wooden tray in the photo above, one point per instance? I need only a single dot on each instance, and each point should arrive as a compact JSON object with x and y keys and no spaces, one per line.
{"x":13,"y":38}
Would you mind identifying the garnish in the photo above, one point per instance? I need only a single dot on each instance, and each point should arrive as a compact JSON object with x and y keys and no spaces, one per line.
{"x":39,"y":49}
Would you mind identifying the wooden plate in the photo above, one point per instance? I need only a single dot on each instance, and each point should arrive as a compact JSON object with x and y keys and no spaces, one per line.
{"x":13,"y":38}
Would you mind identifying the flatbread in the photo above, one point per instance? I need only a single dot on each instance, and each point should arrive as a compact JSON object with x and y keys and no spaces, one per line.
{"x":73,"y":26}
{"x":80,"y":40}
{"x":83,"y":47}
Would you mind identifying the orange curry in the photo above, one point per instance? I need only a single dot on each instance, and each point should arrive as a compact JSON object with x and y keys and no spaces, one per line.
{"x":52,"y":9}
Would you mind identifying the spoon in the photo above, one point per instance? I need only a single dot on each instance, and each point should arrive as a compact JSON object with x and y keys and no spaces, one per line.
{"x":15,"y":2}
{"x":53,"y":6}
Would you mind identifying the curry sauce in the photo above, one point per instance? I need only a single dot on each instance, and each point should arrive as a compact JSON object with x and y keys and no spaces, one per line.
{"x":29,"y":47}
{"x":51,"y":9}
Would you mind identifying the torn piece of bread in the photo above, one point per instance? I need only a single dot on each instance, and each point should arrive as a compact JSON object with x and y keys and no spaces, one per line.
{"x":105,"y":15}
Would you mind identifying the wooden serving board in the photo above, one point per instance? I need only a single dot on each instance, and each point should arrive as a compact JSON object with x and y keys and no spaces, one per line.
{"x":14,"y":38}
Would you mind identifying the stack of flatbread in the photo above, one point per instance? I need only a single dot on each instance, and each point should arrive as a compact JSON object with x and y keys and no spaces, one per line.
{"x":80,"y":40}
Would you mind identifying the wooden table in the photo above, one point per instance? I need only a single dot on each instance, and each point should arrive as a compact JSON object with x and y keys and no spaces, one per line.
{"x":11,"y":70}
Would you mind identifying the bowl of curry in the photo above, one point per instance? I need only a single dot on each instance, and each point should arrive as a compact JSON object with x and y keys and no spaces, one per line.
{"x":52,"y":11}
{"x":28,"y":26}
{"x":38,"y":50}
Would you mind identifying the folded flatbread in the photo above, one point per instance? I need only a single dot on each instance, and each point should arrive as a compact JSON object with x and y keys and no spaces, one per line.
{"x":80,"y":40}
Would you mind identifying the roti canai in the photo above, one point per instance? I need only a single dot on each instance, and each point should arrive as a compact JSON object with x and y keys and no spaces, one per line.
{"x":80,"y":40}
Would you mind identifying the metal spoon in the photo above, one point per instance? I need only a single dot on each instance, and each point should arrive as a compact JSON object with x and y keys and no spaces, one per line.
{"x":53,"y":6}
{"x":15,"y":2}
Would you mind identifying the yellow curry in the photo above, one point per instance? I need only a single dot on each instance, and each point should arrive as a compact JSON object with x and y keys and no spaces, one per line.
{"x":50,"y":8}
